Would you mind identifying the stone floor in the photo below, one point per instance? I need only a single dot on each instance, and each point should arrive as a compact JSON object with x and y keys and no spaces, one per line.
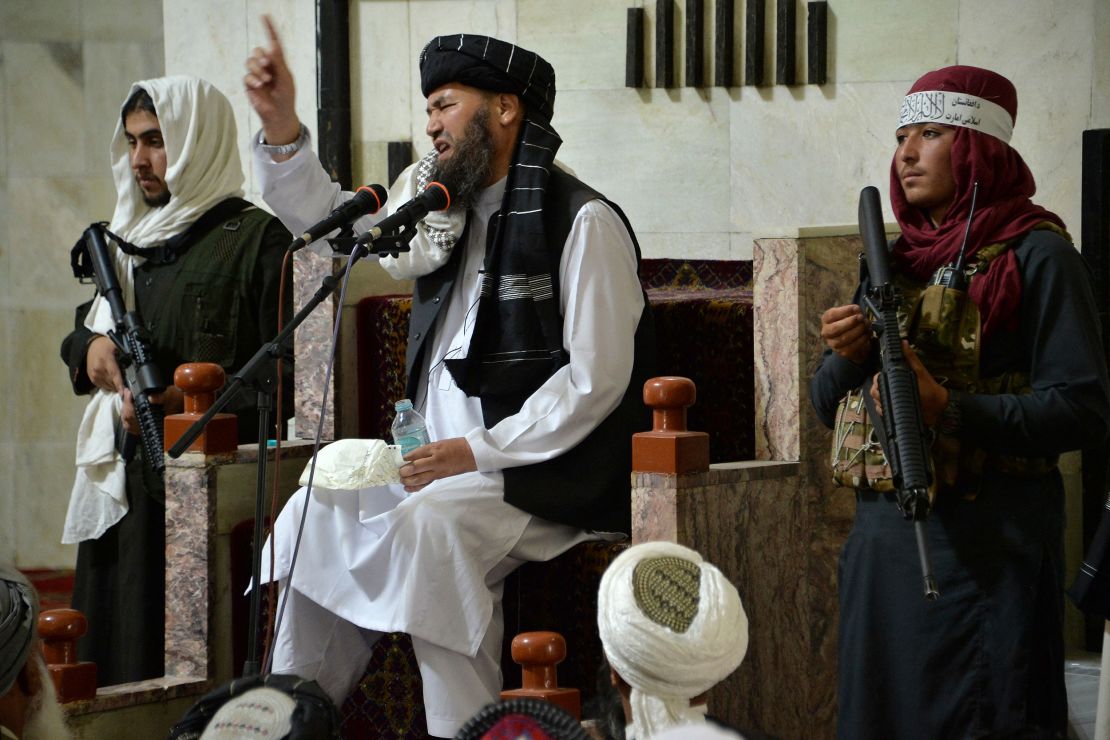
{"x":1081,"y":673}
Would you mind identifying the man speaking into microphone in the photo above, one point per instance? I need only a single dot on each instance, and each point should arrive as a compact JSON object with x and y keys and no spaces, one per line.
{"x":528,"y":347}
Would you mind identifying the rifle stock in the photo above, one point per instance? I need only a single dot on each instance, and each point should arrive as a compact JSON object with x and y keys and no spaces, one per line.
{"x":904,"y":439}
{"x":141,"y":375}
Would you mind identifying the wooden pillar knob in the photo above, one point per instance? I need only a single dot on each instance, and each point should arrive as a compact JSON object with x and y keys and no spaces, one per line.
{"x":60,"y":629}
{"x":537,"y":654}
{"x":669,"y":447}
{"x":669,"y":397}
{"x":199,"y":382}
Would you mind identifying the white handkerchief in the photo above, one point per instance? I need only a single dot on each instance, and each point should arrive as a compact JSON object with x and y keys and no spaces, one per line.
{"x":351,"y":464}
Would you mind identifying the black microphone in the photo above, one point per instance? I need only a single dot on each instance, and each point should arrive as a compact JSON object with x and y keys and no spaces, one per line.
{"x":434,"y":198}
{"x":367,"y":199}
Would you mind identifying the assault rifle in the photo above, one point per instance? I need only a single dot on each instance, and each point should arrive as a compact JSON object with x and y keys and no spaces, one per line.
{"x":141,"y":375}
{"x":904,"y":440}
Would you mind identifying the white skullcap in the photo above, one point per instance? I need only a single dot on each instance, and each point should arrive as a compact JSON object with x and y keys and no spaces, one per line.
{"x":262,"y":712}
{"x":673,"y":627}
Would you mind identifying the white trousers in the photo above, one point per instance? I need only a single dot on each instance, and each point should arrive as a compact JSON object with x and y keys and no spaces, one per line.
{"x":314,"y":643}
{"x":432,"y":565}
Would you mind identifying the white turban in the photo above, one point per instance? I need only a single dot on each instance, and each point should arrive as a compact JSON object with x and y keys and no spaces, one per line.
{"x":673,"y":627}
{"x":19,"y":613}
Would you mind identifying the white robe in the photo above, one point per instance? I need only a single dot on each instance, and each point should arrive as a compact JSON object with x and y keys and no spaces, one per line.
{"x":431,"y":563}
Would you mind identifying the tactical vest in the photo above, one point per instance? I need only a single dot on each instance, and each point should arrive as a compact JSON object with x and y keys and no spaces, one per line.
{"x":943,"y":327}
{"x":588,"y":486}
{"x":204,"y":306}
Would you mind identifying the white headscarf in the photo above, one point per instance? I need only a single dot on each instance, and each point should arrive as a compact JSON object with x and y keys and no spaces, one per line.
{"x":673,"y":627}
{"x":202,"y":169}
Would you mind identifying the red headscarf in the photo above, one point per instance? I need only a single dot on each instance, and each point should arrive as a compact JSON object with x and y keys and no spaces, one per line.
{"x":1003,"y":209}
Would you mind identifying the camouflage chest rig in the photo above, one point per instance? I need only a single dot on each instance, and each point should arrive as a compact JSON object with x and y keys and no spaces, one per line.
{"x":943,"y":327}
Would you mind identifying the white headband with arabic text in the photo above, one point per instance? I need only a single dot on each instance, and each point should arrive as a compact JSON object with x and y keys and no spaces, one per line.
{"x":957,"y":109}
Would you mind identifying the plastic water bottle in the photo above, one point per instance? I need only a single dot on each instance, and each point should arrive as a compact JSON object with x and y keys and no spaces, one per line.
{"x":409,"y":428}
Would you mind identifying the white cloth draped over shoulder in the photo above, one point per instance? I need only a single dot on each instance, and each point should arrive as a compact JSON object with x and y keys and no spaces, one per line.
{"x":202,"y":169}
{"x":424,"y":563}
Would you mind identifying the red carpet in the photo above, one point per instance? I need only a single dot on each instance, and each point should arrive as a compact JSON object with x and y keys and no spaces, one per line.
{"x":55,"y":587}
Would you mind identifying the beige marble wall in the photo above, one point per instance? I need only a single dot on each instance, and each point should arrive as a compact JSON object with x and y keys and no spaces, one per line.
{"x":65,"y":67}
{"x":690,"y":166}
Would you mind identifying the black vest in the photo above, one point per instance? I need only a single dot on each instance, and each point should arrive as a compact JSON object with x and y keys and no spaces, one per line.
{"x":590,"y":485}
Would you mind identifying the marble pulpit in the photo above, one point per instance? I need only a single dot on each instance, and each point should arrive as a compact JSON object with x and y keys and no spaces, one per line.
{"x":775,"y":524}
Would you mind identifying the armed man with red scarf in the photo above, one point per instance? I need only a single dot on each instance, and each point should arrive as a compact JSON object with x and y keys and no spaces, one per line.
{"x":1010,"y":374}
{"x":529,"y":343}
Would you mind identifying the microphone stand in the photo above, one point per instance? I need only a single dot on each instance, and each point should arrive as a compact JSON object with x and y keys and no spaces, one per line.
{"x":251,"y":373}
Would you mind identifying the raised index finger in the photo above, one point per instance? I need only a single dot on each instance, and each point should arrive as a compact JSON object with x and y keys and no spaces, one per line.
{"x":275,"y":42}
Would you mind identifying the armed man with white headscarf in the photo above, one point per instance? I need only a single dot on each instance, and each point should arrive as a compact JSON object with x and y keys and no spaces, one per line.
{"x":672,"y":627}
{"x":202,"y":268}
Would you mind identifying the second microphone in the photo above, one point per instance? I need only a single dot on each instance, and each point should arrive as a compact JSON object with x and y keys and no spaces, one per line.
{"x":367,"y":200}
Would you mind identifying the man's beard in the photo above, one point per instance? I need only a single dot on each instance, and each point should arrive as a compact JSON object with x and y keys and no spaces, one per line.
{"x":155,"y":201}
{"x":45,"y":719}
{"x":468,"y":169}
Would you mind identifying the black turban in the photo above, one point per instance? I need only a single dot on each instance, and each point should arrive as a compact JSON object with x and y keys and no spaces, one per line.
{"x":19,"y":613}
{"x":490,"y":64}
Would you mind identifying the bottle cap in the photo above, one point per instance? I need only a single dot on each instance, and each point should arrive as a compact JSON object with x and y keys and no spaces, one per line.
{"x":403,"y":405}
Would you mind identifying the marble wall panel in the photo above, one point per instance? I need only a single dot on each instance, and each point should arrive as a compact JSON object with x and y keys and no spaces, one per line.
{"x":53,"y":211}
{"x":776,"y":278}
{"x":5,"y":112}
{"x":45,"y":108}
{"x":214,"y":48}
{"x":382,"y":69}
{"x":566,"y":33}
{"x":11,"y":519}
{"x":190,"y":545}
{"x":897,"y":40}
{"x":45,"y":20}
{"x":48,"y":410}
{"x":668,"y":244}
{"x":1053,"y":78}
{"x":7,"y":370}
{"x":312,"y":348}
{"x":121,"y":20}
{"x":5,"y":243}
{"x":803,"y":160}
{"x":741,"y":245}
{"x":786,"y":684}
{"x":370,"y":162}
{"x":1100,"y":102}
{"x":42,"y":477}
{"x":110,"y":69}
{"x":665,"y":162}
